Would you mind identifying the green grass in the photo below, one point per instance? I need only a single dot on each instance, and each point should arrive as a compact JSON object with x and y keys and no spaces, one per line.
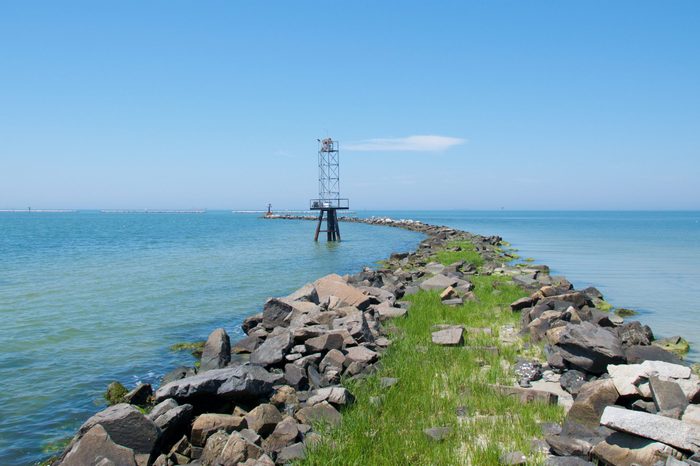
{"x":434,"y":382}
{"x":467,"y":254}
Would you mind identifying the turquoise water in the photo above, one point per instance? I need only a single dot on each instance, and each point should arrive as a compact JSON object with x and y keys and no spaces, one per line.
{"x":87,"y":298}
{"x":647,"y":261}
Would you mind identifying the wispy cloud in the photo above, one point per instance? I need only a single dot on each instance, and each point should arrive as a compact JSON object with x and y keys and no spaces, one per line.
{"x":416,"y":143}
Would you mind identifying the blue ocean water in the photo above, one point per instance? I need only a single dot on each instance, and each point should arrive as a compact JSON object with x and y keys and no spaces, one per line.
{"x":87,"y":297}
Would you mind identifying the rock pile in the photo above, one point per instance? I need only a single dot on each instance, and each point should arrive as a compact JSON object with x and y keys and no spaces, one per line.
{"x":260,"y":400}
{"x":634,"y":402}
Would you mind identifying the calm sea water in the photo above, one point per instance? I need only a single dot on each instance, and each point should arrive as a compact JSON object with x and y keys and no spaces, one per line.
{"x":87,"y":298}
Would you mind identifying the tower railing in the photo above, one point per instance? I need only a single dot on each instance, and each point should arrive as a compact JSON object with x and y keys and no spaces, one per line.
{"x":338,"y":203}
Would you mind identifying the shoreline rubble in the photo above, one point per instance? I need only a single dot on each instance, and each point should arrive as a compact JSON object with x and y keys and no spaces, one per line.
{"x":260,"y":400}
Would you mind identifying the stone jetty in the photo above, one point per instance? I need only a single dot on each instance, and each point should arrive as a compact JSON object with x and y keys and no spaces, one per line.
{"x":262,"y":400}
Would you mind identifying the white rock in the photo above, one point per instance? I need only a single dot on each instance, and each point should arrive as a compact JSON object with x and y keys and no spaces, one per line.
{"x":626,"y":376}
{"x":692,"y":414}
{"x":679,"y":434}
{"x":666,"y":369}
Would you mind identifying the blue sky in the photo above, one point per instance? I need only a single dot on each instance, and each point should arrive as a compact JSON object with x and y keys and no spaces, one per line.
{"x":449,"y":105}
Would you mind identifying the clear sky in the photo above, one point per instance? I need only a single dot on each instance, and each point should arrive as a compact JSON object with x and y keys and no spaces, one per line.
{"x":437,"y":105}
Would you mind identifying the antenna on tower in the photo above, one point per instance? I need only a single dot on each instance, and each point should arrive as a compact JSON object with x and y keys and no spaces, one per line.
{"x":329,"y":200}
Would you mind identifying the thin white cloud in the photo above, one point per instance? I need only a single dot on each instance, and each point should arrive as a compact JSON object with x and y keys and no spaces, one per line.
{"x":417,"y":143}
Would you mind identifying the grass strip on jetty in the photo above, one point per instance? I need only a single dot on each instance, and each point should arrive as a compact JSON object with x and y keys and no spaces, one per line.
{"x":442,"y":386}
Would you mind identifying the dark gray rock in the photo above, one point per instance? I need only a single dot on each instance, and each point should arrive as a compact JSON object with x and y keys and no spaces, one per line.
{"x":314,"y":378}
{"x":572,"y":381}
{"x":174,"y":423}
{"x":669,"y":398}
{"x":126,"y":426}
{"x":590,"y":348}
{"x":230,"y":383}
{"x":139,"y":395}
{"x":252,"y":322}
{"x":634,"y":333}
{"x":638,"y":354}
{"x":646,"y":406}
{"x":246,"y":345}
{"x":177,"y":374}
{"x":161,"y":408}
{"x":295,"y":376}
{"x":275,"y":312}
{"x":217,"y":351}
{"x":272,"y":350}
{"x":566,"y":445}
{"x":523,"y":303}
{"x":592,"y":293}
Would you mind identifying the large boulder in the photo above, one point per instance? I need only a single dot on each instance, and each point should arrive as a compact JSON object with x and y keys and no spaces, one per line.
{"x":592,"y":399}
{"x":589,"y":347}
{"x":95,"y":447}
{"x":126,"y":426}
{"x":273,"y":349}
{"x":334,"y":285}
{"x":217,"y":351}
{"x":230,"y":383}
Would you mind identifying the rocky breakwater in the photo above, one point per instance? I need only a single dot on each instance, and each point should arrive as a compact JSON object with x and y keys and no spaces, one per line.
{"x":266,"y":398}
{"x":263,"y":399}
{"x":634,"y":403}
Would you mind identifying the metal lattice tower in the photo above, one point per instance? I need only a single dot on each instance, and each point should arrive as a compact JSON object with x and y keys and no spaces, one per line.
{"x":329,"y":200}
{"x":328,"y":169}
